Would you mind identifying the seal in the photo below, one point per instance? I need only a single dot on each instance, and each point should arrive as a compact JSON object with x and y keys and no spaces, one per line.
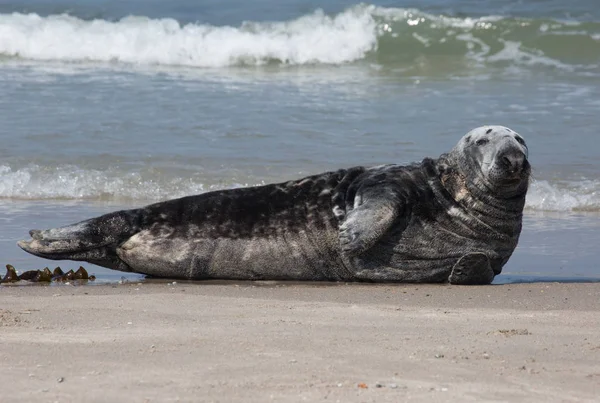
{"x":453,"y":219}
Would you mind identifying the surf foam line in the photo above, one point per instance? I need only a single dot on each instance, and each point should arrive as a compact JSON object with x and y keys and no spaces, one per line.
{"x":73,"y":183}
{"x":581,"y":196}
{"x":314,"y":38}
{"x":385,"y":36}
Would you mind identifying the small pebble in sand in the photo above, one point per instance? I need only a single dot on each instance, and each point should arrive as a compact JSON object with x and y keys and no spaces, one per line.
{"x":60,"y":380}
{"x":393,"y":386}
{"x":486,"y":356}
{"x":439,"y":356}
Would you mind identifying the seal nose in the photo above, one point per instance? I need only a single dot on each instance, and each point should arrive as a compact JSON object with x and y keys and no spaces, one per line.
{"x":513,"y":161}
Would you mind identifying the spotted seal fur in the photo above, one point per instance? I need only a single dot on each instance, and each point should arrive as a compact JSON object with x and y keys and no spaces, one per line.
{"x":453,"y":219}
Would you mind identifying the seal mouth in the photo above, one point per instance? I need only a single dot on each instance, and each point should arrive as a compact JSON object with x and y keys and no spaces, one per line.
{"x":513,"y":179}
{"x":514,"y":175}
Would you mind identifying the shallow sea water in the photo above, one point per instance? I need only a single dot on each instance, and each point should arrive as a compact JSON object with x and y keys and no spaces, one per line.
{"x":107,"y":105}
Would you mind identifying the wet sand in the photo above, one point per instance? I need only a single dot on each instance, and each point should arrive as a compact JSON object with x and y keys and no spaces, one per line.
{"x":257,"y":342}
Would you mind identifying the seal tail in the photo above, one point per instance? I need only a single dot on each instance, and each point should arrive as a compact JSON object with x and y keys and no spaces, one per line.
{"x":95,"y":240}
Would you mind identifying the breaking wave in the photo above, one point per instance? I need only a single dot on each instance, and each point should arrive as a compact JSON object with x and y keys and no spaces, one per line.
{"x":72,"y":183}
{"x":564,"y":196}
{"x":401,"y":38}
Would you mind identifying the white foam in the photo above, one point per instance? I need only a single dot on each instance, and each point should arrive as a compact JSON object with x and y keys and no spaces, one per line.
{"x":564,"y":196}
{"x":413,"y":16}
{"x":72,"y":183}
{"x":513,"y":52}
{"x":314,"y":38}
{"x":476,"y":48}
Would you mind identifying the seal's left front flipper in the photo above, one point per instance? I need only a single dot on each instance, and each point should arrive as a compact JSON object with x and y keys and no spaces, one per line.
{"x":472,"y":269}
{"x":367,"y":223}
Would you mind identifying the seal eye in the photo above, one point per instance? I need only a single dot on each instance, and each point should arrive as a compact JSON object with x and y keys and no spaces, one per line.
{"x":520,"y":140}
{"x":481,"y":142}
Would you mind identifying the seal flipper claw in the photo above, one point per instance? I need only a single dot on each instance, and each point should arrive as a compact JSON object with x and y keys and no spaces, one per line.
{"x":35,"y":234}
{"x":472,"y":269}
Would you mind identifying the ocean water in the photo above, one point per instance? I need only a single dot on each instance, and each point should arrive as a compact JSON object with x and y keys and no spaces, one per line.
{"x":115,"y":104}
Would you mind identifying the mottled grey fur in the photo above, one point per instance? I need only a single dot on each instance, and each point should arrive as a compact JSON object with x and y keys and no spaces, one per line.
{"x":456,"y":218}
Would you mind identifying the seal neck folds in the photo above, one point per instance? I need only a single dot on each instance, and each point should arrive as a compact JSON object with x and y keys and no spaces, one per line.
{"x":488,"y":209}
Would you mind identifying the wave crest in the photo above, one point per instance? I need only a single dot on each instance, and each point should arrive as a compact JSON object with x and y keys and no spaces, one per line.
{"x":315,"y":38}
{"x":403,"y":38}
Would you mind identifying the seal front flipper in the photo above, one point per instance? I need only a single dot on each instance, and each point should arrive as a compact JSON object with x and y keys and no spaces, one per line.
{"x":472,"y":269}
{"x":366,"y":223}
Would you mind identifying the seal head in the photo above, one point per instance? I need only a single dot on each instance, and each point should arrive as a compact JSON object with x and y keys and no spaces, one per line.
{"x":494,"y":160}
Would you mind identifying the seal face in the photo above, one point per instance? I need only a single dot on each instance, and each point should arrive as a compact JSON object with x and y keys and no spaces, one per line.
{"x":456,"y":218}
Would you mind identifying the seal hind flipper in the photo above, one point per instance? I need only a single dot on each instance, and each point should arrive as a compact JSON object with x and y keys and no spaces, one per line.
{"x":472,"y":269}
{"x":94,"y":240}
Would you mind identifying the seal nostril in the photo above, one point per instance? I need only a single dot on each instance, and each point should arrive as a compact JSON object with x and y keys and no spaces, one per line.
{"x":514,"y":163}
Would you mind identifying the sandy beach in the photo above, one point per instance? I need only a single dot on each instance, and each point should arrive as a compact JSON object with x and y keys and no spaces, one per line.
{"x":256,"y":342}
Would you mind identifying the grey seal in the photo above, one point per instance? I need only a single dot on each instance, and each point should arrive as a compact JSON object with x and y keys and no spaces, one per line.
{"x":453,"y":219}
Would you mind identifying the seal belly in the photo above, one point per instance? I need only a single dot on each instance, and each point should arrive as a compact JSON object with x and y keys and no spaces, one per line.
{"x":303,"y":255}
{"x":294,"y":256}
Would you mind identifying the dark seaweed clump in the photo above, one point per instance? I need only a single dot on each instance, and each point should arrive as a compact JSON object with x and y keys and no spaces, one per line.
{"x":45,"y":275}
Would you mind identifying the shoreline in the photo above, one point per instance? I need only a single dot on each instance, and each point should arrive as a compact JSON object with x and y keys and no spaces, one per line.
{"x":141,"y":279}
{"x":253,"y":342}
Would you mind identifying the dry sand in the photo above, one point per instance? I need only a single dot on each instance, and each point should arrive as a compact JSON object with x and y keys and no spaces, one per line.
{"x":259,"y":342}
